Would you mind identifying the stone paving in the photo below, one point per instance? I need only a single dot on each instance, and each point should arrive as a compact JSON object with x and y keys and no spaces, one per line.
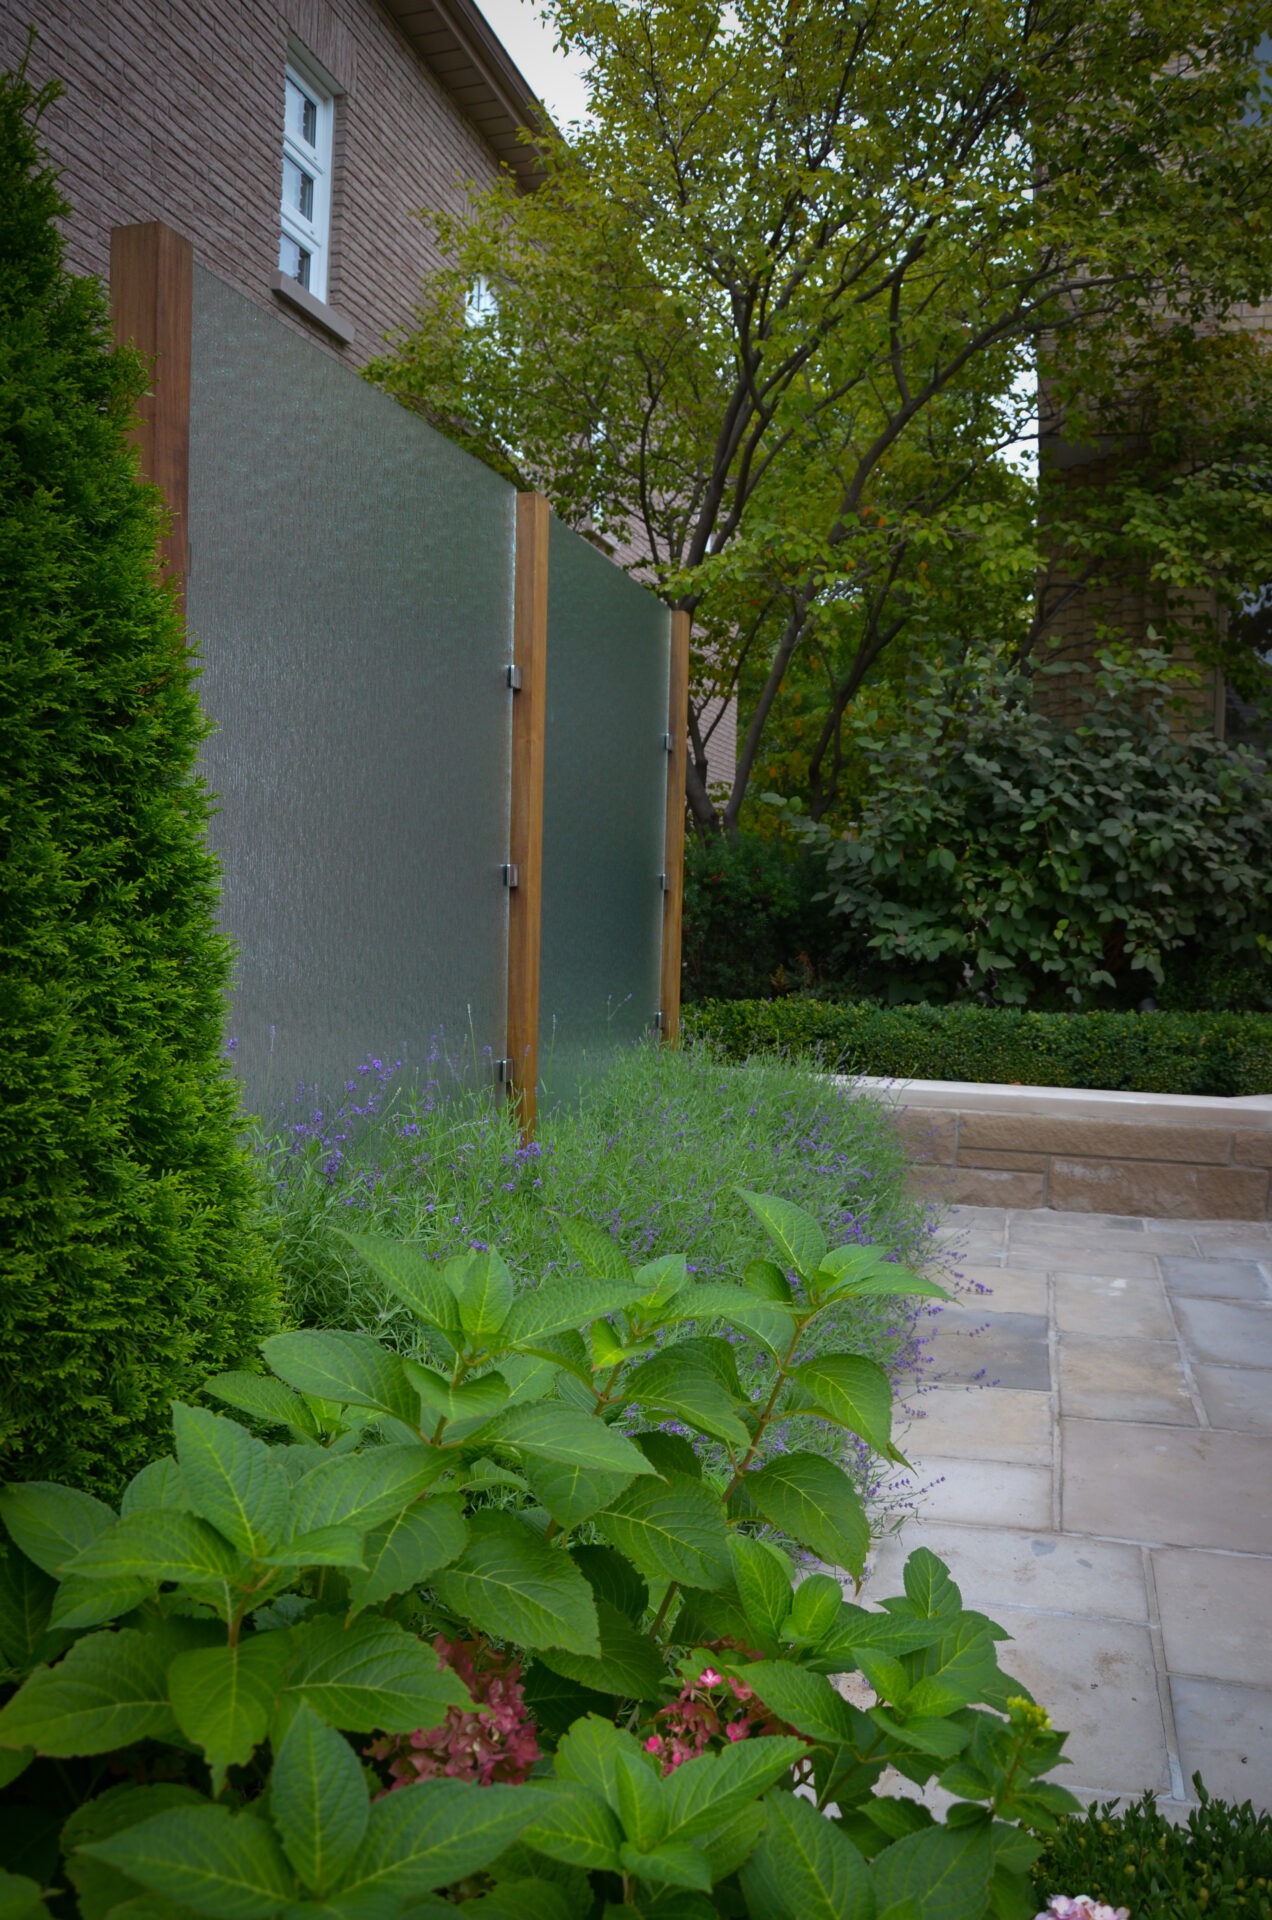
{"x":1097,"y":1456}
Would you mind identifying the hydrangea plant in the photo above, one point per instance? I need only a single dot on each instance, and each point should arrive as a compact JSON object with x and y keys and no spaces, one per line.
{"x":473,"y":1629}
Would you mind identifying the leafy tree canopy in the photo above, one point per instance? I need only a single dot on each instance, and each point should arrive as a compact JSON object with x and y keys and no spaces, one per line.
{"x":766,"y":318}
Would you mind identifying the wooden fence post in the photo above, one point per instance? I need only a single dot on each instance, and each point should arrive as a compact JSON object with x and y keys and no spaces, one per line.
{"x":152,"y":301}
{"x":674,"y":851}
{"x":525,"y":831}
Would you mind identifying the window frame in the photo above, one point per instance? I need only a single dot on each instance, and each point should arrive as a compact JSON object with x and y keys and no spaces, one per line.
{"x":311,"y":234}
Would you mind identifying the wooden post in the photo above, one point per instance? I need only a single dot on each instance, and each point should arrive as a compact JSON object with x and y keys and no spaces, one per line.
{"x":674,"y":850}
{"x":525,"y":833}
{"x":152,"y":300}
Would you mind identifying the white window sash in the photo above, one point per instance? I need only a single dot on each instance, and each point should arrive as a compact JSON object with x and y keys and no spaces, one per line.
{"x":313,"y":235}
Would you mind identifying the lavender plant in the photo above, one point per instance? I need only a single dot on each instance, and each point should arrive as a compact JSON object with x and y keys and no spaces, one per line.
{"x":651,"y":1155}
{"x":340,"y":1674}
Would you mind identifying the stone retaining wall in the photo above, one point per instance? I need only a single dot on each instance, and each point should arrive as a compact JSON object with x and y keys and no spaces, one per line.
{"x":1085,"y":1152}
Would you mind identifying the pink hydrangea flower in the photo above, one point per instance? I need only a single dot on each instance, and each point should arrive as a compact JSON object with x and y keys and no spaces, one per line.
{"x":494,"y":1741}
{"x":706,"y":1710}
{"x":1061,"y":1906}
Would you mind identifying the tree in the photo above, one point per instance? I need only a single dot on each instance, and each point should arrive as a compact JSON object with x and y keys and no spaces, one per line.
{"x":767,"y":313}
{"x":132,"y":1261}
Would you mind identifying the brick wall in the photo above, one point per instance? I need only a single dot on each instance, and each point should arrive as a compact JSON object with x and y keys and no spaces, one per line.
{"x":173,"y":111}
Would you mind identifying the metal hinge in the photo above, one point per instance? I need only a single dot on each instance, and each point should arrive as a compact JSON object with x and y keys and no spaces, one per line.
{"x":513,"y":675}
{"x":657,"y":1022}
{"x":669,"y":745}
{"x":503,"y":1071}
{"x":511,"y":874}
{"x":664,"y":883}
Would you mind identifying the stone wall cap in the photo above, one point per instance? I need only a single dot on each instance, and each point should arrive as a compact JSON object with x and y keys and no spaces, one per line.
{"x":1161,"y":1109}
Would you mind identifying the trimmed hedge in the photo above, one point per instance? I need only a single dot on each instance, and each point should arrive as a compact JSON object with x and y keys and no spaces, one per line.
{"x":130,"y":1261}
{"x":1217,"y":1053}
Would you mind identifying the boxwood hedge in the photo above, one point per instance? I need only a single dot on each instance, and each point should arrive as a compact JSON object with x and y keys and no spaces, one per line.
{"x":1209,"y":1053}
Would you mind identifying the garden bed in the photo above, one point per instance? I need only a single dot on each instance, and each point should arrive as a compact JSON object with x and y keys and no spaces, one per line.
{"x":1084,"y":1151}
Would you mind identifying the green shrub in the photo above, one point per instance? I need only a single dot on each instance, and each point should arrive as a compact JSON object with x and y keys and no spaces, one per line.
{"x":129,"y":1265}
{"x":488,"y":1574}
{"x":754,"y":924}
{"x":1001,"y":856}
{"x":1205,"y":1053}
{"x":1216,"y":1867}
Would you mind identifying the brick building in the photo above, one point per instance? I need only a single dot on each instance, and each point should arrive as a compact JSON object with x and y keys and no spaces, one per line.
{"x":290,"y":140}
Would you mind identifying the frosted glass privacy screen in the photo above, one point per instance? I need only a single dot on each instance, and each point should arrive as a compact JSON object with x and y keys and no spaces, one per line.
{"x":604,"y":809}
{"x":350,"y":587}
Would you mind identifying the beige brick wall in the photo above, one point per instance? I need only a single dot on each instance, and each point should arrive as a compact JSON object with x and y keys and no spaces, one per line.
{"x":173,"y":111}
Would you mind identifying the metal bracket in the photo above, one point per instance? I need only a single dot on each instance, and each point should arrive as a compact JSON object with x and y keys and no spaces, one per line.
{"x":511,"y":874}
{"x":513,"y":675}
{"x":669,"y":745}
{"x":664,"y":883}
{"x":503,"y":1071}
{"x":657,"y":1022}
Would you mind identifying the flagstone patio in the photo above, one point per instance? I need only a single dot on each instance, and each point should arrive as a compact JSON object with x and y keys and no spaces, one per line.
{"x":1094,"y":1463}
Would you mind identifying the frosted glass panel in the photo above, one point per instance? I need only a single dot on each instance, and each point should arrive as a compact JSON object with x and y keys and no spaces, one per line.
{"x":350,"y":586}
{"x":604,"y":806}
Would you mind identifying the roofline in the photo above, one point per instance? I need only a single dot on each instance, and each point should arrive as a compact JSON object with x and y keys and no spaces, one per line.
{"x":456,"y":40}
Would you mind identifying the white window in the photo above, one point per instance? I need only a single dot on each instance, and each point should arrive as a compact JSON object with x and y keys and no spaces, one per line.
{"x":304,"y":240}
{"x":482,"y":302}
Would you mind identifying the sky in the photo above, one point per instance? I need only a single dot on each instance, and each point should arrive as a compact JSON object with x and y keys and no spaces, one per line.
{"x":555,"y":77}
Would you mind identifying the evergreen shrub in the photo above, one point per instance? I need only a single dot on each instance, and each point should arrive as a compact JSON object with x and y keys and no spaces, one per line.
{"x":131,"y":1264}
{"x":1204,"y":1053}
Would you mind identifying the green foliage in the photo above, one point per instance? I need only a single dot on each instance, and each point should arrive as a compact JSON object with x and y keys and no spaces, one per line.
{"x":195,"y":1743}
{"x":1216,"y":1866}
{"x":1213,"y":1053}
{"x":131,"y":1265}
{"x":1003,"y":857}
{"x":649,"y":1159}
{"x":770,"y":340}
{"x":753,"y":924}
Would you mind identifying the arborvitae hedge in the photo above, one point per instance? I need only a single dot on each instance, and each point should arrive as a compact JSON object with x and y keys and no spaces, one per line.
{"x":1219,"y":1053}
{"x":130,"y":1266}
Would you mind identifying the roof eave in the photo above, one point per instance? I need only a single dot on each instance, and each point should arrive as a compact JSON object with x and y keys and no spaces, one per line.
{"x":474,"y":66}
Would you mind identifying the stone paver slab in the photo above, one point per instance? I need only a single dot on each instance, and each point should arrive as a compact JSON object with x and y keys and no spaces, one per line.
{"x":1052,"y":1219}
{"x":1169,"y":1486}
{"x":1124,"y":1380}
{"x":978,"y":1423}
{"x":1218,"y":1279}
{"x":1232,"y":1333}
{"x":992,"y":1493}
{"x":1225,"y":1735}
{"x":1003,"y":1349}
{"x":1097,"y":1680}
{"x":1045,"y":1572}
{"x":1011,"y":1292}
{"x":1237,"y":1397}
{"x":1113,"y":1306}
{"x":1215,"y":1610}
{"x":1245,"y":1240}
{"x":1109,"y":1260}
